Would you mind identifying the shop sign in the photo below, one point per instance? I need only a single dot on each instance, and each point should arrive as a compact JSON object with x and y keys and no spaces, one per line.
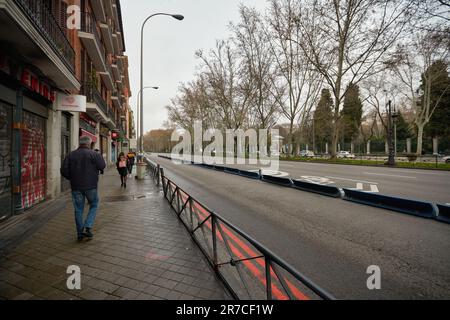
{"x":32,"y":82}
{"x":71,"y":103}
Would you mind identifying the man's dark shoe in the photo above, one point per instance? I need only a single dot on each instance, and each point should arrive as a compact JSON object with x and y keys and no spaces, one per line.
{"x":80,"y":238}
{"x":88,"y":234}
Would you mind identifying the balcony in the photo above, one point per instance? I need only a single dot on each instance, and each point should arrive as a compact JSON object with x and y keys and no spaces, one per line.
{"x":115,"y":14}
{"x":30,"y":28}
{"x":99,"y":10}
{"x":97,"y":107}
{"x":111,"y":120}
{"x":107,"y":78}
{"x":116,"y":44}
{"x":107,"y":36}
{"x":116,"y":100}
{"x":120,"y":40}
{"x":91,"y":40}
{"x":120,"y":63}
{"x":108,"y":8}
{"x":119,"y":84}
{"x":116,"y":72}
{"x":87,"y":127}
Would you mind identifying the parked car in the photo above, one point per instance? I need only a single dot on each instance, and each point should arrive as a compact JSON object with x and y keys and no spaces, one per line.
{"x":446,"y":159}
{"x":345,"y":155}
{"x":307,"y":154}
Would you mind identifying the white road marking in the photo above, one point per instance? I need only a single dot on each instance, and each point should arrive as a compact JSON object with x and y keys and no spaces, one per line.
{"x":389,"y":175}
{"x":274,"y":173}
{"x":317,"y":180}
{"x":360,"y":187}
{"x":352,"y":180}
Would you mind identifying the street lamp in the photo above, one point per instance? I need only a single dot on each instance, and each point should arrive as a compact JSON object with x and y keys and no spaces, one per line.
{"x":175,"y":16}
{"x":391,"y":121}
{"x":139,"y":115}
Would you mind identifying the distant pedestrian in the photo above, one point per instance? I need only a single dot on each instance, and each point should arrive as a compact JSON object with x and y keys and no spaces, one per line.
{"x":131,"y":161}
{"x":81,"y":168}
{"x":122,"y":167}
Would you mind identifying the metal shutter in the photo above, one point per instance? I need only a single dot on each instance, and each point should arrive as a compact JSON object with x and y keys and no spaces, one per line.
{"x":33,"y":160}
{"x":5,"y":161}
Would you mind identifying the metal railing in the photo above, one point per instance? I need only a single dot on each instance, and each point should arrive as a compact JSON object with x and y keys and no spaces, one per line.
{"x":89,"y":25}
{"x":248,"y":269}
{"x":93,"y":95}
{"x":44,"y":21}
{"x":87,"y":127}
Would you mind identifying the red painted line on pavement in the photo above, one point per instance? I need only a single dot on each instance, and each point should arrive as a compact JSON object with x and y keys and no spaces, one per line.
{"x":256,"y":272}
{"x":297,"y":293}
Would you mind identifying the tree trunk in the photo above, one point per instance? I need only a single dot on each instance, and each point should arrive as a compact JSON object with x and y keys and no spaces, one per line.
{"x":420,"y":139}
{"x":291,"y":138}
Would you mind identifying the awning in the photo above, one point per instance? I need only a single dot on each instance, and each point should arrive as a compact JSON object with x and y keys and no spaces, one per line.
{"x":88,"y":134}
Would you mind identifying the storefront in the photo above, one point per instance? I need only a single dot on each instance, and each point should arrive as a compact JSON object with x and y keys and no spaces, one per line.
{"x":25,"y":101}
{"x":33,"y":160}
{"x":66,"y":134}
{"x":5,"y":161}
{"x":104,"y":136}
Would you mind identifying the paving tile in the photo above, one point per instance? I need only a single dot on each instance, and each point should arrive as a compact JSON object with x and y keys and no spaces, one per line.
{"x":140,"y":251}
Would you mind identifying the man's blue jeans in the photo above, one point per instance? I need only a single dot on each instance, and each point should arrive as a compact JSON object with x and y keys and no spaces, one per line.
{"x":79,"y":199}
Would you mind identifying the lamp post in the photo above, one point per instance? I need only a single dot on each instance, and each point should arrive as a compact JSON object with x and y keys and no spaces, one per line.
{"x":139,"y":115}
{"x":391,"y":117}
{"x":175,"y":16}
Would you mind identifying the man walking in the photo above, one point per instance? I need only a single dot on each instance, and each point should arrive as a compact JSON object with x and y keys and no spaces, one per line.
{"x":81,"y":168}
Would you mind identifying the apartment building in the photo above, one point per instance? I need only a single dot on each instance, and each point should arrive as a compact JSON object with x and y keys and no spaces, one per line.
{"x":55,"y":53}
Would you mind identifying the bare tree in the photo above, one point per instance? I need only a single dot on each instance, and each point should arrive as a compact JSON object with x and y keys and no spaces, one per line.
{"x":296,"y":84}
{"x":228,"y":91}
{"x":413,"y":63}
{"x":347,"y":40}
{"x":257,"y":62}
{"x":191,"y":105}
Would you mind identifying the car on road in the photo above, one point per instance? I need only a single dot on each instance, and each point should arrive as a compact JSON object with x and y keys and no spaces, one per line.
{"x":307,"y":154}
{"x":345,"y":155}
{"x":446,"y":159}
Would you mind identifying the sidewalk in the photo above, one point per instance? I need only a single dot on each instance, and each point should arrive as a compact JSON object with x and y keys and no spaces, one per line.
{"x":140,"y":251}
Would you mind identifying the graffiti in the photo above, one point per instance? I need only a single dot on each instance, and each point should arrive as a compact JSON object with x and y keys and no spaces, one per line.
{"x":33,"y":161}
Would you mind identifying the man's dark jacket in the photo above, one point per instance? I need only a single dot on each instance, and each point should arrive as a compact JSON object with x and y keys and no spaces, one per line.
{"x":81,"y":168}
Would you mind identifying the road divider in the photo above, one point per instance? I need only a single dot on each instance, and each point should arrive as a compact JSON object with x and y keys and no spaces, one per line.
{"x":412,"y":207}
{"x":249,"y":174}
{"x":286,"y":182}
{"x":232,"y":170}
{"x":329,"y":191}
{"x":219,"y":168}
{"x":422,"y":209}
{"x":444,"y":213}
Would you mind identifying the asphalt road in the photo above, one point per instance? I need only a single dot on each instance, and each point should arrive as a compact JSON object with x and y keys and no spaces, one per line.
{"x":425,"y":185}
{"x":331,"y":241}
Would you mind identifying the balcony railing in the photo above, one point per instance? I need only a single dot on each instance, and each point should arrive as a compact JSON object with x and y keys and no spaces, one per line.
{"x":44,"y":21}
{"x":89,"y":25}
{"x":93,"y":96}
{"x":86,"y":126}
{"x":112,"y":115}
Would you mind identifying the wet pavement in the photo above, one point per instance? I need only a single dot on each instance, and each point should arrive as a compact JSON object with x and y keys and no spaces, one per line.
{"x":140,"y":251}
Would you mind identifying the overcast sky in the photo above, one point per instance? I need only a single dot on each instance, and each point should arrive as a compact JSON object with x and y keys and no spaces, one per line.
{"x":170,"y":45}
